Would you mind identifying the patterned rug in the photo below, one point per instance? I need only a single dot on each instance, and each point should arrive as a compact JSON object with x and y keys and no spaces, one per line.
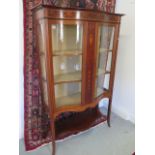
{"x":36,"y":118}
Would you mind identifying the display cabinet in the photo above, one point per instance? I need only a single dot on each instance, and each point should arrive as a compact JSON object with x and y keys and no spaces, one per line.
{"x":77,"y":51}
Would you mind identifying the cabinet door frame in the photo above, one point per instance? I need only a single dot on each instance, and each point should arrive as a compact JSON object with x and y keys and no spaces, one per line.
{"x":106,"y":93}
{"x":69,"y":22}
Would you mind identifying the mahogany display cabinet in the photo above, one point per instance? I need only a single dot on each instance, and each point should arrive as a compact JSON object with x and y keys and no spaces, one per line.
{"x":77,"y":50}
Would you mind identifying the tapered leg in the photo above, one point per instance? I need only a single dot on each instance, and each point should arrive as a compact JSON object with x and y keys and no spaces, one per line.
{"x":53,"y":147}
{"x":53,"y":138}
{"x":109,"y":112}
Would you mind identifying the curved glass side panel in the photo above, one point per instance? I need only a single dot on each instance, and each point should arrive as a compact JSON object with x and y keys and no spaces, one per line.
{"x":104,"y":58}
{"x":42,"y":54}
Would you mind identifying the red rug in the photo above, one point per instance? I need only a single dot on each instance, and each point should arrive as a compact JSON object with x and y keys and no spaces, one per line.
{"x":37,"y":128}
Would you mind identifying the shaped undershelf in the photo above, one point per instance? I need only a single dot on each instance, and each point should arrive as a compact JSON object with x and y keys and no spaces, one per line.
{"x":78,"y":122}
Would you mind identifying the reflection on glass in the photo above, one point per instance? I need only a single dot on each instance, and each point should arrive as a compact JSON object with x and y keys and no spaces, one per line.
{"x":45,"y":93}
{"x":106,"y":38}
{"x":105,"y":102}
{"x":104,"y":56}
{"x":42,"y":64}
{"x":67,"y":68}
{"x":67,"y":63}
{"x":68,"y":94}
{"x":106,"y":81}
{"x":108,"y":67}
{"x":101,"y":61}
{"x":99,"y":85}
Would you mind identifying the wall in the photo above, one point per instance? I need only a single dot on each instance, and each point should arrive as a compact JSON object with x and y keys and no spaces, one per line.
{"x":123,"y":97}
{"x":124,"y":93}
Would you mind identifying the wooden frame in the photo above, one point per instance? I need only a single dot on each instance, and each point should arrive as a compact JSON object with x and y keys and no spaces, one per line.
{"x":91,"y":20}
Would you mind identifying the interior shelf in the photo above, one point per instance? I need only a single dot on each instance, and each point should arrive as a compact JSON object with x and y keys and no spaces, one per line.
{"x":67,"y":77}
{"x":73,"y":99}
{"x":66,"y":52}
{"x":104,"y":50}
{"x":101,"y":72}
{"x":84,"y":121}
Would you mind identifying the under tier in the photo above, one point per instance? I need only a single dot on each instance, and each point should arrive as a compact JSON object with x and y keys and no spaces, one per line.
{"x":78,"y":121}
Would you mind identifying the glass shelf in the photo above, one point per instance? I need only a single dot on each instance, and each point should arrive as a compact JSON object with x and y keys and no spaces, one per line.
{"x":104,"y":50}
{"x":68,"y":77}
{"x":67,"y":52}
{"x":101,"y":72}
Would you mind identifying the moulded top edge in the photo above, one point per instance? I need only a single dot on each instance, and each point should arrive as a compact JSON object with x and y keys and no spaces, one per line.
{"x":41,"y":6}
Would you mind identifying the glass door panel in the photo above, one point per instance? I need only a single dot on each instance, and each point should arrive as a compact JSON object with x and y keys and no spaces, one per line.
{"x":67,"y":63}
{"x":104,"y":58}
{"x":67,"y":68}
{"x":68,"y":94}
{"x":67,"y":39}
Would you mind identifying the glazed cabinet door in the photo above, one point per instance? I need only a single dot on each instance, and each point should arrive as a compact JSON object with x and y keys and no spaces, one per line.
{"x":67,"y":40}
{"x":104,"y":54}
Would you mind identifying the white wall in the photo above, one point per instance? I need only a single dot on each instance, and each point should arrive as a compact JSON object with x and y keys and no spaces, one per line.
{"x":124,"y":93}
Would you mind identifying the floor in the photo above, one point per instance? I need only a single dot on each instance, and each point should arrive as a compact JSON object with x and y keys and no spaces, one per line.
{"x":101,"y":140}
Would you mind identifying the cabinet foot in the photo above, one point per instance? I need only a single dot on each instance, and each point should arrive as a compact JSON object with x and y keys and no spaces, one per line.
{"x":53,"y":137}
{"x":53,"y":148}
{"x":108,"y":122}
{"x":109,"y":113}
